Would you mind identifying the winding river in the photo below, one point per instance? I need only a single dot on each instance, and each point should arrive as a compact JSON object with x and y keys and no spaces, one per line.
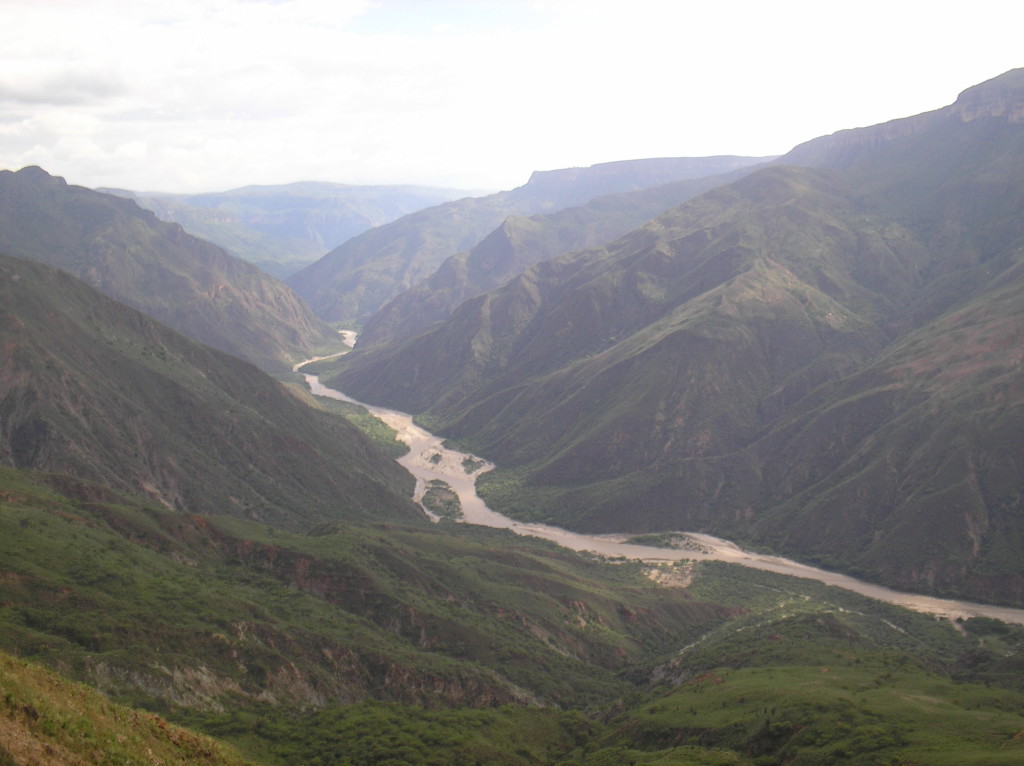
{"x":428,"y":459}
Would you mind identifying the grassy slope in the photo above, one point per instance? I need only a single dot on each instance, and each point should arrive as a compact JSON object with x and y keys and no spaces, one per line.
{"x":47,"y":720}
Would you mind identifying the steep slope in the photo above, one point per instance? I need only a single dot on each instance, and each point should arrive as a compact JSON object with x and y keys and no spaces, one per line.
{"x":520,"y":243}
{"x":354,"y":280}
{"x":184,"y":282}
{"x":192,"y":612}
{"x":93,"y":389}
{"x":285,"y":227}
{"x":50,"y":721}
{"x":770,"y":360}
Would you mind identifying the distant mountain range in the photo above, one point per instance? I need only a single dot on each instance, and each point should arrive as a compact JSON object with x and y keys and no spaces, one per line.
{"x":522,"y":242}
{"x":823,"y":357}
{"x":354,"y":280}
{"x":185,"y":282}
{"x":285,"y":227}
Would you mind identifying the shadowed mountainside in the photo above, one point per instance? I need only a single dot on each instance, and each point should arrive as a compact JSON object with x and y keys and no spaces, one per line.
{"x":93,"y":389}
{"x":826,"y":360}
{"x":155,"y":267}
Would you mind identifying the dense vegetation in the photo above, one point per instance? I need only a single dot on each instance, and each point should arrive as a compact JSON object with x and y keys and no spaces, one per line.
{"x":457,"y":644}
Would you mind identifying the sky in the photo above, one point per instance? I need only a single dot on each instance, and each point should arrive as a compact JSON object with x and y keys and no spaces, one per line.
{"x":209,"y":95}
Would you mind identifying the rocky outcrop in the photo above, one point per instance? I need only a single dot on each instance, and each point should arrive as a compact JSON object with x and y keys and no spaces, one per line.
{"x":1001,"y":97}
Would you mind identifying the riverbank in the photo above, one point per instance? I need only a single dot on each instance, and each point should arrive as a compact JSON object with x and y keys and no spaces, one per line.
{"x":429,"y":459}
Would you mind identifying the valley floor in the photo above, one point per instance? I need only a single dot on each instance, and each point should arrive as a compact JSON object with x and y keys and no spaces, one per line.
{"x":428,"y":459}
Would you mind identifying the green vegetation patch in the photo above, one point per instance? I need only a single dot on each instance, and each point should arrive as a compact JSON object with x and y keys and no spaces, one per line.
{"x":442,"y":501}
{"x":659,"y":540}
{"x":472,"y":464}
{"x":47,"y":719}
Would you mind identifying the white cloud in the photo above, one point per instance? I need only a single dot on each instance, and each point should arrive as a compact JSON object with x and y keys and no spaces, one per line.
{"x":201,"y":95}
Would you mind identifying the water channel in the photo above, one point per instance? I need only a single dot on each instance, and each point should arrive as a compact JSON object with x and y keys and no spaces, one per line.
{"x":428,"y":459}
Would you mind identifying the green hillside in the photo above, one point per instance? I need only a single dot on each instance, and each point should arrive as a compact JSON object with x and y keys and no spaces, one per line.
{"x":92,"y":389}
{"x":184,"y":282}
{"x":520,"y":243}
{"x":457,"y":644}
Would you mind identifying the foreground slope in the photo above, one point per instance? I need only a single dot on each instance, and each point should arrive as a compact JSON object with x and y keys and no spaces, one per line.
{"x":354,"y":280}
{"x":184,"y":282}
{"x":47,"y":720}
{"x":826,"y":359}
{"x":199,"y":613}
{"x":92,"y":389}
{"x":457,"y":644}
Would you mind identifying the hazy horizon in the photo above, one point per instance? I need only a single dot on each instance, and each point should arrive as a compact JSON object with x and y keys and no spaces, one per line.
{"x":465,"y":94}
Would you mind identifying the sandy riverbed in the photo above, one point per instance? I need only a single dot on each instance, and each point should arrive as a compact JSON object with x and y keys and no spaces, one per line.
{"x":428,"y":459}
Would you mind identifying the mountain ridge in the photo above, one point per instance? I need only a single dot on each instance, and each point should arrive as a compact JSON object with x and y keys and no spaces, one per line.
{"x":351,"y":282}
{"x":157,"y":267}
{"x":282,"y":228}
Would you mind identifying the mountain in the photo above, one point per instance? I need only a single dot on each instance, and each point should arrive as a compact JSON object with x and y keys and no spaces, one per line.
{"x":124,"y":251}
{"x":520,"y":243}
{"x":94,"y":390}
{"x":813,"y":356}
{"x":354,"y":280}
{"x":823,"y":359}
{"x":285,"y":227}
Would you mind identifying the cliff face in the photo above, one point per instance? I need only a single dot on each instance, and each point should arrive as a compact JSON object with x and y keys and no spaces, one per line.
{"x":1000,"y":97}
